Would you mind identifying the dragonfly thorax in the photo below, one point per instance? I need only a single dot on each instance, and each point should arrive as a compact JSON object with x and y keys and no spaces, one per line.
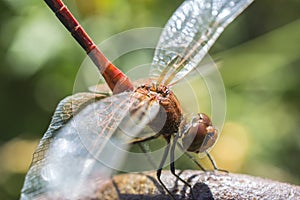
{"x":169,"y":115}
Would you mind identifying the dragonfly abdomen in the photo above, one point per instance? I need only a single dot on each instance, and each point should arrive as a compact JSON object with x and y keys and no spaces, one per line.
{"x":115,"y":78}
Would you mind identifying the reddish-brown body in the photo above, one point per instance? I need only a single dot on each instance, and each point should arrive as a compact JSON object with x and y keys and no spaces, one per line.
{"x":116,"y":80}
{"x":169,"y":117}
{"x":199,"y":137}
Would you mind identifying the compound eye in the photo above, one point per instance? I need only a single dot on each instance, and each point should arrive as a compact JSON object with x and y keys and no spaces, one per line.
{"x":210,"y":139}
{"x":205,"y":119}
{"x":201,"y":135}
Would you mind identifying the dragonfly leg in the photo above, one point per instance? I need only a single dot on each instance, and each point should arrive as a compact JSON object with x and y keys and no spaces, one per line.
{"x":214,"y":163}
{"x":172,"y":166}
{"x":191,"y":157}
{"x":149,"y":157}
{"x":140,"y":141}
{"x":162,"y":162}
{"x":144,"y":139}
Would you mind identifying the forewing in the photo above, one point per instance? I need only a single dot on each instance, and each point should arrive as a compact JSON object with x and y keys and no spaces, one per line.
{"x":65,"y":163}
{"x":86,"y":141}
{"x":189,"y":34}
{"x":34,"y":184}
{"x":109,"y":143}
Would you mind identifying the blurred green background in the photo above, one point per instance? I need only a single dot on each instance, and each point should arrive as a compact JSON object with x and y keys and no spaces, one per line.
{"x":260,"y":56}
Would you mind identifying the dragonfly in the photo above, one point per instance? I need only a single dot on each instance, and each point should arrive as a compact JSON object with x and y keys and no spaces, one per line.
{"x":91,"y":132}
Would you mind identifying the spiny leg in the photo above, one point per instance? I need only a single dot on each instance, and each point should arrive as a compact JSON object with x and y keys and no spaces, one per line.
{"x":191,"y":157}
{"x":144,"y":139}
{"x":172,"y":165}
{"x":214,"y":163}
{"x":162,"y":162}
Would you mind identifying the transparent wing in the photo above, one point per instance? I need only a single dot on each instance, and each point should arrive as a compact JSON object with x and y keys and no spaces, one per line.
{"x":34,"y":184}
{"x":78,"y":151}
{"x":189,"y":34}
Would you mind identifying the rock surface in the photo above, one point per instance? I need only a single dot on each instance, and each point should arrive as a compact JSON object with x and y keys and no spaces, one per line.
{"x":205,"y":185}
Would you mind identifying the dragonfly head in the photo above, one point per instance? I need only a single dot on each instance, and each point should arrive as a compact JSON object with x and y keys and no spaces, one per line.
{"x":200,"y":135}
